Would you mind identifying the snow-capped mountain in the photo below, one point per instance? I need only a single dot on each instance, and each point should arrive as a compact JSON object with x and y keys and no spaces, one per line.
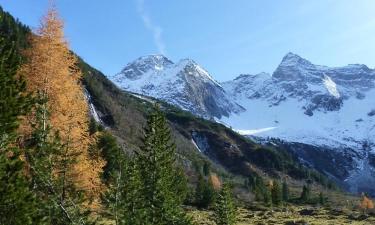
{"x":332,"y":108}
{"x":326,"y":114}
{"x":336,"y":102}
{"x":185,"y":84}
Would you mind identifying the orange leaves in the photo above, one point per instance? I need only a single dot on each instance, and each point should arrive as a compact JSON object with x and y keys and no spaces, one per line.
{"x":215,"y":181}
{"x":51,"y":69}
{"x":366,"y":203}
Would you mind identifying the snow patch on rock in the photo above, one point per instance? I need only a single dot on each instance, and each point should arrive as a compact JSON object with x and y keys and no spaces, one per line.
{"x":331,"y":86}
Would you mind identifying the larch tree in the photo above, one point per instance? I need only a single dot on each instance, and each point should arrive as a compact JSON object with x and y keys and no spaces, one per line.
{"x":48,"y":161}
{"x":51,"y":71}
{"x":366,"y":203}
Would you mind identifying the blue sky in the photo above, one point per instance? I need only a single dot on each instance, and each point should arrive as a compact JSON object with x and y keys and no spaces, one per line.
{"x":227,"y":37}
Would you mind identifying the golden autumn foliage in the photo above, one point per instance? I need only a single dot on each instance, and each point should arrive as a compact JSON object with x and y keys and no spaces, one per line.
{"x":215,"y":181}
{"x":51,"y":69}
{"x":366,"y":203}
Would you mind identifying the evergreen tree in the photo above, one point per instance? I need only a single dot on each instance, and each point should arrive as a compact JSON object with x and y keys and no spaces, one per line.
{"x":112,"y":154}
{"x":267,"y":197}
{"x":285,"y":191}
{"x":122,"y":176}
{"x":206,"y":168}
{"x":17,"y":202}
{"x":12,"y":30}
{"x":322,"y":199}
{"x":124,"y":198}
{"x":93,"y":127}
{"x":225,"y":210}
{"x":160,"y":179}
{"x":204,"y":193}
{"x":259,"y":189}
{"x":305,"y":195}
{"x":14,"y":101}
{"x":276,"y":194}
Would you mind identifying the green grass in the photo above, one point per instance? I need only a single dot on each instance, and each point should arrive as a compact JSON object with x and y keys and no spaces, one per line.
{"x":289,"y":215}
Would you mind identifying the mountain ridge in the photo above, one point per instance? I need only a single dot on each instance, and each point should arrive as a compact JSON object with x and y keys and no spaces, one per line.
{"x":184,"y":83}
{"x":300,"y":102}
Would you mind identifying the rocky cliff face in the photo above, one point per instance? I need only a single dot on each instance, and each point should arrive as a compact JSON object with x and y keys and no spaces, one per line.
{"x":185,"y":84}
{"x":319,"y":110}
{"x":323,"y":107}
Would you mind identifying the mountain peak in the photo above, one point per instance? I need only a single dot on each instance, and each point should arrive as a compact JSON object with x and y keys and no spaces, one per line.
{"x":292,"y":59}
{"x":293,"y":67}
{"x":143,"y":64}
{"x":193,"y":68}
{"x":292,"y":55}
{"x":153,"y":58}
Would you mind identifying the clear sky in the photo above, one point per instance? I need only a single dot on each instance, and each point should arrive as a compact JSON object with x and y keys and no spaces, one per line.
{"x":227,"y":37}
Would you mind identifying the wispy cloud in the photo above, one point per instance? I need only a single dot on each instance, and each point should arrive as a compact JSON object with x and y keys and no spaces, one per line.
{"x":149,"y":24}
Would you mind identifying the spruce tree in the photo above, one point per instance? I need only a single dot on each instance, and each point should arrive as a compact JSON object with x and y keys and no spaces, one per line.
{"x":305,"y":195}
{"x":112,"y":154}
{"x":267,"y":197}
{"x":14,"y":101}
{"x":276,"y":193}
{"x":225,"y":209}
{"x":204,"y":193}
{"x":93,"y":127}
{"x":322,"y":199}
{"x":123,"y":198}
{"x":157,"y":162}
{"x":285,"y":191}
{"x":121,"y":174}
{"x":17,"y":202}
{"x":206,"y":168}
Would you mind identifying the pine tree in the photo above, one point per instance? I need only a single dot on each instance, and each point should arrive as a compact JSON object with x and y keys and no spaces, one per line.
{"x":285,"y":191}
{"x":276,"y":194}
{"x":157,"y":162}
{"x":225,"y":210}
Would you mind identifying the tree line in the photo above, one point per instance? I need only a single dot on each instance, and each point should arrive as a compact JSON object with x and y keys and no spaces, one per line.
{"x":55,"y":167}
